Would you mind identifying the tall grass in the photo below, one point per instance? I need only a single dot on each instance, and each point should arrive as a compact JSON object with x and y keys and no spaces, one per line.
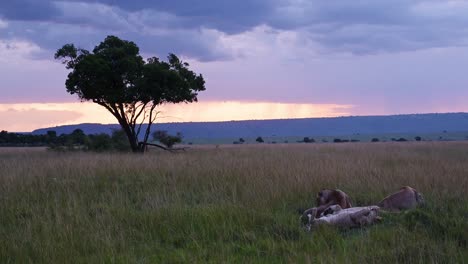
{"x":236,"y":204}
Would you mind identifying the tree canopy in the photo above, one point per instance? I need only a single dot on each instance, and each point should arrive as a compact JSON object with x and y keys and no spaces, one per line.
{"x":115,"y":76}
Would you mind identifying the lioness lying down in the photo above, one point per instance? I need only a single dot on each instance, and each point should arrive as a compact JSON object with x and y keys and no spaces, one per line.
{"x":406,"y":198}
{"x":346,"y":218}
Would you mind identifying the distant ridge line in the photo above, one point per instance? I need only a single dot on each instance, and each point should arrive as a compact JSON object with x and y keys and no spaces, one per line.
{"x":324,"y":126}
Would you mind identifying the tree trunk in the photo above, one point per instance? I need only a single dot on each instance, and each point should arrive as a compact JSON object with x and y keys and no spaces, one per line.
{"x":133,"y":143}
{"x":126,"y":127}
{"x":132,"y":138}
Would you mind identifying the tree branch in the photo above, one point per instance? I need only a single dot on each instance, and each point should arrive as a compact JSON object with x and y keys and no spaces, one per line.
{"x":172,"y":150}
{"x":142,"y":105}
{"x":105,"y":106}
{"x":132,"y":110}
{"x":150,"y":122}
{"x":122,"y":113}
{"x":142,"y":120}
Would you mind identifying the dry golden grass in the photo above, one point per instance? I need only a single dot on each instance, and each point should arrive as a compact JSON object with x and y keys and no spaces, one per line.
{"x":229,"y":204}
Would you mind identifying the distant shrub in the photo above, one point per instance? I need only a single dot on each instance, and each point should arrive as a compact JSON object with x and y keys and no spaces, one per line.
{"x":77,"y":137}
{"x":401,"y":140}
{"x":99,"y":142}
{"x":241,"y":140}
{"x":78,"y":140}
{"x":51,"y":137}
{"x":355,"y":140}
{"x":259,"y":140}
{"x":308,"y":140}
{"x":120,"y":141}
{"x":338,"y":140}
{"x":166,"y":139}
{"x":236,"y":142}
{"x":375,"y":140}
{"x":418,"y":138}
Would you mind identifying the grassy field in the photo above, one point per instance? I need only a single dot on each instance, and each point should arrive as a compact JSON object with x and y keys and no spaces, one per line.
{"x":442,"y":136}
{"x":235,"y":204}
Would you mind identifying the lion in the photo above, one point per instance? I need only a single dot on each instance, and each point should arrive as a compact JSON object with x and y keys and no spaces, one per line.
{"x":325,"y":199}
{"x":346,"y":218}
{"x":406,"y":198}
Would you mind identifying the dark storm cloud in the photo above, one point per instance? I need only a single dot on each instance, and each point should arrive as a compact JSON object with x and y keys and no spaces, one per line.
{"x":370,"y":26}
{"x":229,"y":16}
{"x":193,"y":44}
{"x":27,"y":9}
{"x":226,"y":15}
{"x":358,"y":27}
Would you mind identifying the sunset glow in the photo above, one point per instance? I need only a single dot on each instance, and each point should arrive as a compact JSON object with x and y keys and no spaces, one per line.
{"x":27,"y":117}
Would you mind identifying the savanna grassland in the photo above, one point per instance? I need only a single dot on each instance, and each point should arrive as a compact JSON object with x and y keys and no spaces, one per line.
{"x":230,"y":204}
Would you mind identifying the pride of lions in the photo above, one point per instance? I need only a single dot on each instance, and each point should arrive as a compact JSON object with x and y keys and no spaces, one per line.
{"x":333,"y":207}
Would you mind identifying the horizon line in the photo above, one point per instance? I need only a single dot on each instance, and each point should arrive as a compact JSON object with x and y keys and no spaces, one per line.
{"x":247,"y":120}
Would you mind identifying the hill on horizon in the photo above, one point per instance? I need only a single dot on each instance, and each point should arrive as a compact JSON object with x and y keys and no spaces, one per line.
{"x":312,"y":127}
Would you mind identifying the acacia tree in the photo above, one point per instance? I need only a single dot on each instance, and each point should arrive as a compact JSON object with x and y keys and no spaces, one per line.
{"x":115,"y":76}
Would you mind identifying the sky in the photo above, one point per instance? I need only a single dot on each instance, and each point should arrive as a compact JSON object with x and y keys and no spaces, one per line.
{"x":261,"y":59}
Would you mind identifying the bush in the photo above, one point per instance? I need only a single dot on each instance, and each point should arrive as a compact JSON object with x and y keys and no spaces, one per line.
{"x":78,"y":140}
{"x":375,"y":140}
{"x":337,"y":140}
{"x":78,"y":137}
{"x":418,"y":138}
{"x":99,"y":142}
{"x":308,"y":140}
{"x":259,"y":140}
{"x":167,"y":140}
{"x":120,"y":141}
